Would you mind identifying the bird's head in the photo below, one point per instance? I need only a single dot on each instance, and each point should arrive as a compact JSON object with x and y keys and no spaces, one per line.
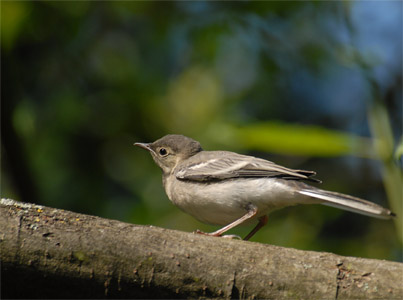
{"x":169,"y":150}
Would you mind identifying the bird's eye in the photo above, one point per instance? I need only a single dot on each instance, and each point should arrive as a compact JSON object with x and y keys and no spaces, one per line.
{"x":163,"y":151}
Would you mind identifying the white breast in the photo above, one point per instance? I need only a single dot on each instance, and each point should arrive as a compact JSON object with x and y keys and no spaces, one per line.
{"x":223,"y":202}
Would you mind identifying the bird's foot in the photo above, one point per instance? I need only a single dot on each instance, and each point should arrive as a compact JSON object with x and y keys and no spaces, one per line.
{"x":228,"y":236}
{"x":232,"y":237}
{"x":206,"y":233}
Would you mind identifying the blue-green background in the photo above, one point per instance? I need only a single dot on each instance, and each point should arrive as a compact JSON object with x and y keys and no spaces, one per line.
{"x":309,"y":85}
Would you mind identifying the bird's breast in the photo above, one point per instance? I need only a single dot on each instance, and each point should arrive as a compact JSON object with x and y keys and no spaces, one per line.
{"x":222,"y":202}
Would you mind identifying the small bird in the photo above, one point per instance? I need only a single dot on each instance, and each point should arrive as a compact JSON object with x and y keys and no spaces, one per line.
{"x":226,"y":188}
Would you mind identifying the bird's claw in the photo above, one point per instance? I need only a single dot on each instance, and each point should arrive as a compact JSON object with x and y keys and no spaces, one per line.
{"x":232,"y":237}
{"x":228,"y":236}
{"x":205,"y":233}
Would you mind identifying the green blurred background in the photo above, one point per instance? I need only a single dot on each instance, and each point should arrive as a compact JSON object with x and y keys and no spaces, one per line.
{"x":309,"y":85}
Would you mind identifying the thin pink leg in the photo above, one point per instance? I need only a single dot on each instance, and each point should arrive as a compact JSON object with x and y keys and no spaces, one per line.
{"x":250,"y":214}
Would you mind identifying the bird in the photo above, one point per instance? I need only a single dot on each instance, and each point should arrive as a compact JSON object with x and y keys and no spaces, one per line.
{"x":228,"y":189}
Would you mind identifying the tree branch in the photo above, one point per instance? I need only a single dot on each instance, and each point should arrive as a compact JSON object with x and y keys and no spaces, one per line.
{"x":52,"y":253}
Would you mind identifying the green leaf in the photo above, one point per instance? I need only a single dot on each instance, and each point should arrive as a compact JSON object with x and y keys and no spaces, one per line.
{"x":302,"y":140}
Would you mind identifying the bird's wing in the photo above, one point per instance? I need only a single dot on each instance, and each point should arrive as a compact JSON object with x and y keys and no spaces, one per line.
{"x":227,"y":165}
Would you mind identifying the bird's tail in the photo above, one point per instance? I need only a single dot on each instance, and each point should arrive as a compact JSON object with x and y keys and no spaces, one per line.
{"x":347,"y":202}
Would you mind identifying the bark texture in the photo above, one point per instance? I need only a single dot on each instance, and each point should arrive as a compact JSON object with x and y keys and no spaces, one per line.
{"x":52,"y":253}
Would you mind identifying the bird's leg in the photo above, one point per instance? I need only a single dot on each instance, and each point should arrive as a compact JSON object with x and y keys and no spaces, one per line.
{"x":262,"y":221}
{"x":250,"y":214}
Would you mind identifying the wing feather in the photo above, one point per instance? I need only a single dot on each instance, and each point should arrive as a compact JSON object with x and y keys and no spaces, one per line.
{"x":222,"y":165}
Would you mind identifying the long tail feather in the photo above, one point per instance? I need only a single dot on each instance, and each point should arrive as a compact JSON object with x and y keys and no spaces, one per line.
{"x":349,"y":203}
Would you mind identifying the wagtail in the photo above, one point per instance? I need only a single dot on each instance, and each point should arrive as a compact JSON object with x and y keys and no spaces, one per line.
{"x":226,"y":188}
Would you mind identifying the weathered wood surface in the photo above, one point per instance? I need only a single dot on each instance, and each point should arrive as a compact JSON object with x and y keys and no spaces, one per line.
{"x":52,"y":253}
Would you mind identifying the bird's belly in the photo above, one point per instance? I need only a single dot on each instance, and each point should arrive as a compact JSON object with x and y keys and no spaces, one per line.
{"x":223,"y":202}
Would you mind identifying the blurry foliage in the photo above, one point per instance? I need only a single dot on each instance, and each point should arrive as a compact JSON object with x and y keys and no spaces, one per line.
{"x":392,"y":175}
{"x":303,"y":140}
{"x":82,"y":81}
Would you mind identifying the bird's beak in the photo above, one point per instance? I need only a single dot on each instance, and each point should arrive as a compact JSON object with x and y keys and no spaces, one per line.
{"x":144,"y":146}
